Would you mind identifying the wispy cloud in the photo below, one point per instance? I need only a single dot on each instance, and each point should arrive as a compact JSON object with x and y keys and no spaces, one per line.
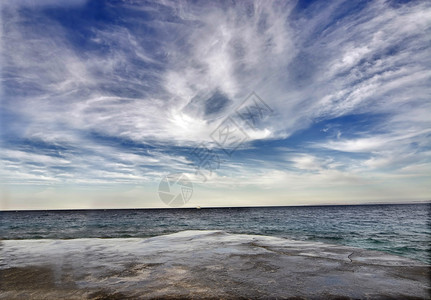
{"x":121,"y":92}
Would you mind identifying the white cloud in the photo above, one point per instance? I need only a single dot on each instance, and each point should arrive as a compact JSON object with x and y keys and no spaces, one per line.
{"x":234,"y":50}
{"x":376,"y":142}
{"x":135,"y":86}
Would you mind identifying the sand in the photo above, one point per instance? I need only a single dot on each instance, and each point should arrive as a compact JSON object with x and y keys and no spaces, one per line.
{"x":204,"y":264}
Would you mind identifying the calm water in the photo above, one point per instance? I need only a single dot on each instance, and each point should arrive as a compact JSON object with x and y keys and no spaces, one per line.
{"x":398,"y":229}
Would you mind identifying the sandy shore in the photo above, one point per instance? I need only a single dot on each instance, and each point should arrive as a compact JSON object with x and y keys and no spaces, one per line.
{"x":204,"y":264}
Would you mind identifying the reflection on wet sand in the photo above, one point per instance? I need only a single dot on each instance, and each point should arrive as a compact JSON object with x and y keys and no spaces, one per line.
{"x":197,"y":264}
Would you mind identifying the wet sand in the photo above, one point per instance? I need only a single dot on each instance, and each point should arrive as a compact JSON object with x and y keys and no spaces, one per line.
{"x":204,"y":264}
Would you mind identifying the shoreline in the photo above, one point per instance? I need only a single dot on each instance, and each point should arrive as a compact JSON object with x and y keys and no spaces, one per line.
{"x":203,"y":264}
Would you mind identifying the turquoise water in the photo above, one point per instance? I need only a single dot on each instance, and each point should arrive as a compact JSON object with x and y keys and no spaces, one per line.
{"x":398,"y":229}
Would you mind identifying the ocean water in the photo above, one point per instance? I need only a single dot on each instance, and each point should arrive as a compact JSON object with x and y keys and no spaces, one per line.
{"x":403,"y":230}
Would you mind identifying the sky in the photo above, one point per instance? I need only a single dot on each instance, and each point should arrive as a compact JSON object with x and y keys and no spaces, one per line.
{"x":250,"y":103}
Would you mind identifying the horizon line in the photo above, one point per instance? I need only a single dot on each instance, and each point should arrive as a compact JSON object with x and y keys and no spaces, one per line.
{"x":220,"y":207}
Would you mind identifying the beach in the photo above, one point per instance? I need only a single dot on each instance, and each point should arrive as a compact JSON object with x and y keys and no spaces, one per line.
{"x":215,"y":149}
{"x":204,"y":264}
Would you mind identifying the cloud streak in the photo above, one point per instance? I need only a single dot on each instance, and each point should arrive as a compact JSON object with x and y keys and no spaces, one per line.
{"x":108,"y":92}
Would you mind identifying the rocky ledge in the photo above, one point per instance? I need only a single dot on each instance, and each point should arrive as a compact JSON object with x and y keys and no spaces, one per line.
{"x":204,"y":264}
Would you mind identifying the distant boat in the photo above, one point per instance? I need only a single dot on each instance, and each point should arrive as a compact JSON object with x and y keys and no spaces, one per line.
{"x":198,"y":207}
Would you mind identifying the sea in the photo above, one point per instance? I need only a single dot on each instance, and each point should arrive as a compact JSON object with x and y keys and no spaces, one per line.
{"x":401,"y":229}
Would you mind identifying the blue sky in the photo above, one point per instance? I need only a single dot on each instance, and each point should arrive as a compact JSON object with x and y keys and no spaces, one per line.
{"x":101,"y":99}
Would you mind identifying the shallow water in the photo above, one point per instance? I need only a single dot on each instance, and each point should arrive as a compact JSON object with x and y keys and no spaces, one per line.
{"x":198,"y":264}
{"x":398,"y":229}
